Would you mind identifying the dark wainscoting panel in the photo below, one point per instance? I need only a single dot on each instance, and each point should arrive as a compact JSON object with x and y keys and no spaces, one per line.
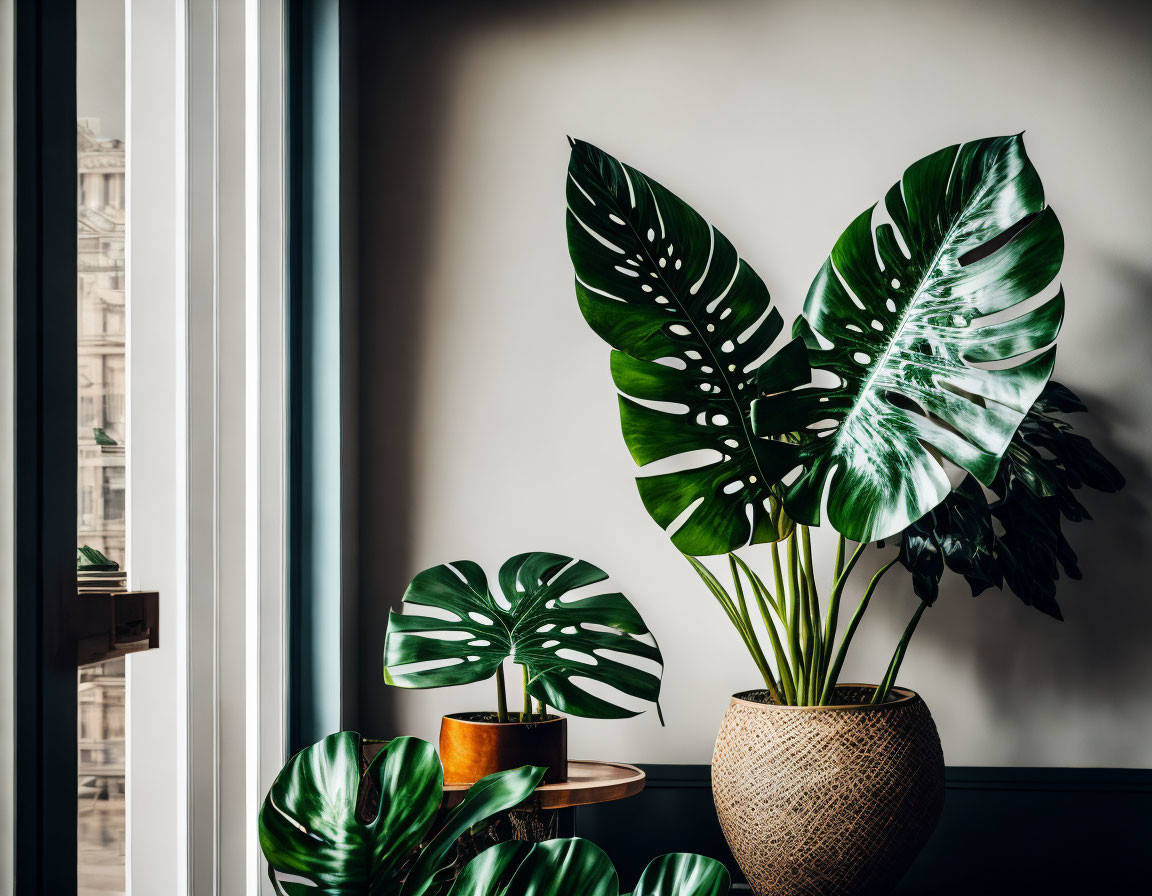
{"x":1004,"y":831}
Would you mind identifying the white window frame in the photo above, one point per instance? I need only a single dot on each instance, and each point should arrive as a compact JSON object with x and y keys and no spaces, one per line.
{"x":207,"y":437}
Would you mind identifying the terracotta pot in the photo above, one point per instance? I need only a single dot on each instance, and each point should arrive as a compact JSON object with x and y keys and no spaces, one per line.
{"x":470,"y":749}
{"x":827,"y":799}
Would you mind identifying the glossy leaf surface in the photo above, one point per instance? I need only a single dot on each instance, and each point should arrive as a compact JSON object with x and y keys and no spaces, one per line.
{"x":577,"y":867}
{"x":1017,"y":539}
{"x":323,"y":836}
{"x":684,"y":874}
{"x":690,"y":323}
{"x":561,"y":636}
{"x":916,"y":314}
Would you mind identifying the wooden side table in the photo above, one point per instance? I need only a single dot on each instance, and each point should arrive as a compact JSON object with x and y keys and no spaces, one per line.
{"x":539,"y":817}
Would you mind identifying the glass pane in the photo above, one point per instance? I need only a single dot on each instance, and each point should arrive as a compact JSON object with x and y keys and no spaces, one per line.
{"x":100,"y":427}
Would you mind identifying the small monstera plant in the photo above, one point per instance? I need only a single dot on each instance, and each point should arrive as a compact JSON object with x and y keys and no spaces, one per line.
{"x":911,"y":402}
{"x":336,"y":825}
{"x":577,"y":867}
{"x":558,"y":634}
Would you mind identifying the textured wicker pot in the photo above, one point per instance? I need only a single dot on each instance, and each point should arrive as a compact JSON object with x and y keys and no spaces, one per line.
{"x":828,"y":799}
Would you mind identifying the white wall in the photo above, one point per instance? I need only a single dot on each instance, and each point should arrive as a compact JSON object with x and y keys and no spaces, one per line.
{"x":488,"y":418}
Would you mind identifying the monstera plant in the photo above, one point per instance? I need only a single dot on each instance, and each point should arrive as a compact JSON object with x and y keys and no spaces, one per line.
{"x":337,"y":824}
{"x":577,"y":867}
{"x":555,"y":635}
{"x":911,"y":401}
{"x":545,"y":620}
{"x":340,"y":823}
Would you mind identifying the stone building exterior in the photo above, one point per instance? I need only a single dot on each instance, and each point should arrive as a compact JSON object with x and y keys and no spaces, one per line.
{"x":101,"y":331}
{"x":100,"y":432}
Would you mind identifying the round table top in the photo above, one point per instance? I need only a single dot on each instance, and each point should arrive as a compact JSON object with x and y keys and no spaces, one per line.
{"x":589,"y":781}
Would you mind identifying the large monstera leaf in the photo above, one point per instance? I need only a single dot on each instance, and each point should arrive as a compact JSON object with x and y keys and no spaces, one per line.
{"x":576,"y":867}
{"x":331,"y":827}
{"x":560,"y":637}
{"x":689,"y":322}
{"x":897,"y":315}
{"x":1016,"y":539}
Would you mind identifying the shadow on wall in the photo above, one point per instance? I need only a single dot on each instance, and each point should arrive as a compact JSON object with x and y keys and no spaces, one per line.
{"x":405,"y":74}
{"x":1090,"y":664}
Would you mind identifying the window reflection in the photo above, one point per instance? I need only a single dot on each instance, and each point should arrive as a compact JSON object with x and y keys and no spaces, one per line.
{"x":100,"y":429}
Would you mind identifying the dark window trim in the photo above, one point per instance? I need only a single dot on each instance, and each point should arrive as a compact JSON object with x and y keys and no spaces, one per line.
{"x":45,"y":448}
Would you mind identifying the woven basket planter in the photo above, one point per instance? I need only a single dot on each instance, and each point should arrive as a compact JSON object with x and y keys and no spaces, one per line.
{"x":827,"y":799}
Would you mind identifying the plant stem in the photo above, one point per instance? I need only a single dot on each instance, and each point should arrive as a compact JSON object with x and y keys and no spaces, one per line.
{"x":842,"y":574}
{"x":526,"y":715}
{"x":763,"y":601}
{"x":747,"y":635}
{"x":753,"y":641}
{"x":881,"y":693}
{"x":778,"y":577}
{"x":501,"y":696}
{"x":542,"y":709}
{"x":794,"y":620}
{"x":834,"y":671}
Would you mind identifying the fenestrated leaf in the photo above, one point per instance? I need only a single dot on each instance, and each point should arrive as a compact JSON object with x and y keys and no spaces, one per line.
{"x":897,"y":315}
{"x":1034,"y":490}
{"x":322,"y":836}
{"x":690,"y":322}
{"x":576,"y":867}
{"x":560,"y":637}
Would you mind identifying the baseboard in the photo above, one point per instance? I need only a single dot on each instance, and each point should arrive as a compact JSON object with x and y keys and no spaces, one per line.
{"x":1048,"y":831}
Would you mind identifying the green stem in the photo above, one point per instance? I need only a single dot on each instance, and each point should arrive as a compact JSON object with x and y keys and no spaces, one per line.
{"x":734,"y":616}
{"x":834,"y":671}
{"x":795,"y":620}
{"x":881,"y":693}
{"x":778,"y":577}
{"x":764,"y":600}
{"x":526,"y":715}
{"x":758,"y":652}
{"x":501,"y":695}
{"x":542,"y":709}
{"x":842,"y":574}
{"x":816,"y":655}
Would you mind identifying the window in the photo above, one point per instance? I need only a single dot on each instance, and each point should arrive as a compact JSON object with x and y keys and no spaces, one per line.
{"x":101,"y":475}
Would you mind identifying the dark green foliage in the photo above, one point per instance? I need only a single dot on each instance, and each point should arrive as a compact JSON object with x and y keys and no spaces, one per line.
{"x":558,"y":637}
{"x":658,"y":283}
{"x":1016,"y":539}
{"x":350,"y":831}
{"x":577,"y":867}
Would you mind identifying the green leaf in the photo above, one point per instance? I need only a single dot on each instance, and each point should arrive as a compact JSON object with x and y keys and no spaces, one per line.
{"x":491,"y":794}
{"x":576,"y":867}
{"x":899,"y":315}
{"x":560,"y":636}
{"x":690,"y":322}
{"x":335,"y":830}
{"x":684,"y":874}
{"x":1034,"y":491}
{"x":567,"y":867}
{"x":309,"y":826}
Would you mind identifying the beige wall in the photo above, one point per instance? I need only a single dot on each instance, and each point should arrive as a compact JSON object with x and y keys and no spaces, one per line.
{"x":488,"y":418}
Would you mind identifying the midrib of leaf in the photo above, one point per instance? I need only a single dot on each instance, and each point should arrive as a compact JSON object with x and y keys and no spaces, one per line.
{"x":720,"y":368}
{"x":913,"y":304}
